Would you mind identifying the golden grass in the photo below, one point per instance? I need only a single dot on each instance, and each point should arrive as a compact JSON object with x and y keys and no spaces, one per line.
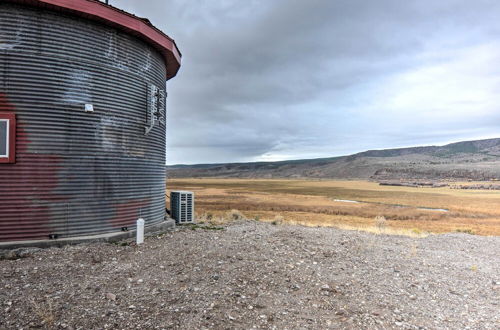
{"x":45,"y":313}
{"x":312,"y":203}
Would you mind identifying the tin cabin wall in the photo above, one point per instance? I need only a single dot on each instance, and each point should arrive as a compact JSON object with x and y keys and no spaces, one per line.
{"x":76,"y":172}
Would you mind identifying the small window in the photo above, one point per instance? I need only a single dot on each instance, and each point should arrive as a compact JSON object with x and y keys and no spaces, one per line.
{"x":4,"y":132}
{"x":7,"y":137}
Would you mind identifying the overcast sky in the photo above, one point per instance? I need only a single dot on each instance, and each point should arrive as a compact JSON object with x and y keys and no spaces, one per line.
{"x":290,"y":79}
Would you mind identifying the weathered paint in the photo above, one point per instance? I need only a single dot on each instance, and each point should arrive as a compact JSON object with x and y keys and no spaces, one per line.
{"x":77,"y":173}
{"x":133,"y":25}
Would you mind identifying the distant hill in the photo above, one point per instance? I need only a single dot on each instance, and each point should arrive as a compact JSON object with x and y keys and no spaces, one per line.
{"x":469,"y":160}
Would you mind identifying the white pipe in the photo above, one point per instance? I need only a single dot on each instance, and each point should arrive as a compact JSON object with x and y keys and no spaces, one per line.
{"x":140,"y":231}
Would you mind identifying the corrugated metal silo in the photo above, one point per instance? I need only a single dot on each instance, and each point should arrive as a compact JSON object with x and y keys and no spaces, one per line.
{"x":77,"y":171}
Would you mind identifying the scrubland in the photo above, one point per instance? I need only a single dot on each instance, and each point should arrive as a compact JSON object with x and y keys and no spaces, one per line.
{"x":238,"y":273}
{"x":358,"y":205}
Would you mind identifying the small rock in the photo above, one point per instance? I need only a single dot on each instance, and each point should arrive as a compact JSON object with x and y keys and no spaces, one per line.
{"x":110,"y":296}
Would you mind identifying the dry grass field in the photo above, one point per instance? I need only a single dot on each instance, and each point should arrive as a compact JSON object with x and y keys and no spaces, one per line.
{"x":357,"y":205}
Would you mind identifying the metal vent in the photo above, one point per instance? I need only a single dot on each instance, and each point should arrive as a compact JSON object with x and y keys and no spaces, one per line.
{"x":182,"y":206}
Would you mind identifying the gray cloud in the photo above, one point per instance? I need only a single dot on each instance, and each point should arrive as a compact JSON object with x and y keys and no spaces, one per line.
{"x":291,"y":79}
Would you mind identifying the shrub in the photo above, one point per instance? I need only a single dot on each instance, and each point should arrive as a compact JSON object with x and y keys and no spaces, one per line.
{"x":465,"y":231}
{"x":278,"y":220}
{"x":235,"y":215}
{"x":380,"y":222}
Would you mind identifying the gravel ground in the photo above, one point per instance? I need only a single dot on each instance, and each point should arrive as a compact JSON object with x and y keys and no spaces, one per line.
{"x":256,"y":275}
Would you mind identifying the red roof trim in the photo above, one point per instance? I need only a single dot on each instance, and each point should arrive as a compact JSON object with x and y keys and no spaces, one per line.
{"x":97,"y":10}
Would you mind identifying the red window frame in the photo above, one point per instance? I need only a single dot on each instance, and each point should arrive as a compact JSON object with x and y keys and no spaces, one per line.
{"x":11,"y":138}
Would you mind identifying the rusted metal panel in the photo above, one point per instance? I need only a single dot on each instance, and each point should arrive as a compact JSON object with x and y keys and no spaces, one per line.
{"x":76,"y":172}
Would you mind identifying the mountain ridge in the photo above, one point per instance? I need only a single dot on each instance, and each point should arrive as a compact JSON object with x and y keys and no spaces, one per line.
{"x":476,"y":160}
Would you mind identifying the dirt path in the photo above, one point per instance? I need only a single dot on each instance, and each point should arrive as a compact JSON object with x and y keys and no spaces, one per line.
{"x":252,"y":274}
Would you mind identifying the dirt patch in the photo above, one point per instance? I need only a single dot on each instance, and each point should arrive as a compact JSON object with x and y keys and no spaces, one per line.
{"x":252,"y":274}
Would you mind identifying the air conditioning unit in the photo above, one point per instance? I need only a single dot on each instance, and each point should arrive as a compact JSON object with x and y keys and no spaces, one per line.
{"x":182,"y":206}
